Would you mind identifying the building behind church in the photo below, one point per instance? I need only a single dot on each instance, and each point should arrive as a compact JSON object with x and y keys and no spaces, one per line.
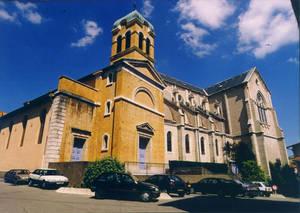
{"x":144,"y":118}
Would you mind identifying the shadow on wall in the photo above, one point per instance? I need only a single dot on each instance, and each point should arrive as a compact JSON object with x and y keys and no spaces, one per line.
{"x":216,"y":204}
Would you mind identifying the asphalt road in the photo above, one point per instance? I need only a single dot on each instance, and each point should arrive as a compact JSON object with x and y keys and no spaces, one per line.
{"x":23,"y":199}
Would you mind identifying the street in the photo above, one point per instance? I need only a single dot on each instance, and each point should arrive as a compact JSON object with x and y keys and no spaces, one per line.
{"x":20,"y":199}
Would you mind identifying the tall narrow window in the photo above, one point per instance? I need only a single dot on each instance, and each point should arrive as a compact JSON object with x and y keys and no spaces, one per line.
{"x":110,"y":79}
{"x":202,"y":146}
{"x":128,"y":39}
{"x":169,"y":141}
{"x":107,"y":108}
{"x":105,"y":143}
{"x":42,"y":122}
{"x":147,"y":46}
{"x":24,"y":124}
{"x":10,"y":128}
{"x":217,"y":147}
{"x":187,"y":144}
{"x":261,"y":108}
{"x":141,"y":40}
{"x":119,"y":43}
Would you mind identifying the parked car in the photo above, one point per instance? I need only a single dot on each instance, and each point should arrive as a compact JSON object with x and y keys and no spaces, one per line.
{"x":249,"y":189}
{"x":170,"y":184}
{"x":219,"y":186}
{"x":47,"y":178}
{"x":124,"y":185}
{"x":16,"y":176}
{"x":264,"y":189}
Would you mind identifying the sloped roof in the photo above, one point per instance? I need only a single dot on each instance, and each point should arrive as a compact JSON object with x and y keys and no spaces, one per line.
{"x":131,"y":16}
{"x":183,"y":84}
{"x":229,"y":83}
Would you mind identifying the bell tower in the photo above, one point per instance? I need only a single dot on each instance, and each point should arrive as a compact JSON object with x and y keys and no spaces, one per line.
{"x":132,"y":38}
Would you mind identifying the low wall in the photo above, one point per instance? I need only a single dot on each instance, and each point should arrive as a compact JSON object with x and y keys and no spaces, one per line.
{"x":191,"y":178}
{"x":2,"y":173}
{"x":74,"y":171}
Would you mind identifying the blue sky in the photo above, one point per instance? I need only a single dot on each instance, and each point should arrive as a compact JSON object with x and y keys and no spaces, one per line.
{"x":199,"y":41}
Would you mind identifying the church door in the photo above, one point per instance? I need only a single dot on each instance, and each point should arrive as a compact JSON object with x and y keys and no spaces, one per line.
{"x":77,"y":152}
{"x":143,"y":144}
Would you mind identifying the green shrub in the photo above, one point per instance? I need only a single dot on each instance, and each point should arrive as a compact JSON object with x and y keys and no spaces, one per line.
{"x":250,"y":171}
{"x":98,"y":167}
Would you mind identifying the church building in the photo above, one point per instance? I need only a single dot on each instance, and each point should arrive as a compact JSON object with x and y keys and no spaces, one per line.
{"x":144,"y":118}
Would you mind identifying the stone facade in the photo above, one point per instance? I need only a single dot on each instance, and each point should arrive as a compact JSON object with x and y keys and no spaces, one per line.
{"x":144,"y":118}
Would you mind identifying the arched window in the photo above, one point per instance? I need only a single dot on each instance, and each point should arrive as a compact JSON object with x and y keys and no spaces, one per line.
{"x":217,"y":147}
{"x":42,"y":122}
{"x":261,"y":108}
{"x":105,"y":142}
{"x":202,"y":146}
{"x":107,"y":108}
{"x":169,"y":141}
{"x":148,"y":46}
{"x":180,"y":99}
{"x":141,"y":40}
{"x":128,"y":39}
{"x":187,"y":144}
{"x":119,"y":43}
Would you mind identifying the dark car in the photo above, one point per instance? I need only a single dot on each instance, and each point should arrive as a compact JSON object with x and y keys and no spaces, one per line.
{"x":124,"y":185}
{"x":219,"y":186}
{"x":170,"y":184}
{"x":17,"y":176}
{"x":249,"y":189}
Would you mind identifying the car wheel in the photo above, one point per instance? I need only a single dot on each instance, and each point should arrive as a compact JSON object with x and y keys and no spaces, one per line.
{"x":99,"y":194}
{"x":44,"y":185}
{"x":145,"y":196}
{"x":30,"y":182}
{"x":15,"y":182}
{"x":181,"y":194}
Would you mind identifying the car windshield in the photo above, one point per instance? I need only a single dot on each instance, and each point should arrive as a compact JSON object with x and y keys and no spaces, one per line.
{"x":22,"y":172}
{"x":50,"y":172}
{"x":176,"y":179}
{"x":134,"y":178}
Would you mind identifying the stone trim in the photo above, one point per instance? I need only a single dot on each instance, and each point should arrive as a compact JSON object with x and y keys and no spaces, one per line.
{"x":122,"y":98}
{"x":56,"y":127}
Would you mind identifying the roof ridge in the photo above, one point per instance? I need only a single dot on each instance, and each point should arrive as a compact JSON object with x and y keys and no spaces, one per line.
{"x":163,"y":74}
{"x":230,"y":78}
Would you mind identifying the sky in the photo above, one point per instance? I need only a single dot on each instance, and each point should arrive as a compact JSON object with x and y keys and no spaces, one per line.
{"x":198,"y":41}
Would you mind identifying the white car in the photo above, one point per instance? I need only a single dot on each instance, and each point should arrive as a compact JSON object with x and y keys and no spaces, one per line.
{"x":263,"y":189}
{"x":47,"y":178}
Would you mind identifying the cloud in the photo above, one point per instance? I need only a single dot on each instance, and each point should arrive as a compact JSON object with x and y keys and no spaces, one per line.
{"x":147,"y":8}
{"x":293,"y":60}
{"x":266,"y":26}
{"x":193,"y":36}
{"x":91,"y":30}
{"x":211,"y":14}
{"x":5,"y":15}
{"x":28,"y":11}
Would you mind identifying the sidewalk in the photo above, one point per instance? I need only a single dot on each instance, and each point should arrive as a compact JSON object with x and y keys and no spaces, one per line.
{"x":89,"y":193}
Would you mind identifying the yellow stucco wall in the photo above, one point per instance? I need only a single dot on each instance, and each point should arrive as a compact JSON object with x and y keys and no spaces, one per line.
{"x":30,"y":155}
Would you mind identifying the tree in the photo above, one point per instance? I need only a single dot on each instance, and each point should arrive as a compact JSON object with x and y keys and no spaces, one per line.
{"x":250,"y":171}
{"x":98,"y":167}
{"x":243,"y":152}
{"x":285,"y":178}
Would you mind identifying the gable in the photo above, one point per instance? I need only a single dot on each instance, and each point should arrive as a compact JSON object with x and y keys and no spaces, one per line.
{"x":146,"y":69}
